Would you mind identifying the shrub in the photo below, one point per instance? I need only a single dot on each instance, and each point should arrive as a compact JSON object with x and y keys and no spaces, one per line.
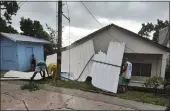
{"x":154,"y":82}
{"x":30,"y":87}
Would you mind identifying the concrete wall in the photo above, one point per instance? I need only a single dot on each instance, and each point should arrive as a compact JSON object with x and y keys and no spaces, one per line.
{"x":8,"y":52}
{"x":24,"y":61}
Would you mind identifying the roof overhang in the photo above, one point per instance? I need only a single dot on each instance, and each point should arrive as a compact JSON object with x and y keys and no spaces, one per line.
{"x":90,"y":36}
{"x":46,"y":42}
{"x":7,"y":37}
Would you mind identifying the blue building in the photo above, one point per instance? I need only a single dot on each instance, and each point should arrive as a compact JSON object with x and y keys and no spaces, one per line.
{"x":16,"y":51}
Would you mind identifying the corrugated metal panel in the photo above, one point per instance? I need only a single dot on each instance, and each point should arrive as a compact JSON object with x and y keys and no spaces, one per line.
{"x":104,"y":74}
{"x":79,"y":56}
{"x":23,"y":38}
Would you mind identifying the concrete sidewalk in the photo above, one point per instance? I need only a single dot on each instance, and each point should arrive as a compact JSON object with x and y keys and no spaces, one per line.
{"x":97,"y":97}
{"x":13,"y":98}
{"x":104,"y":98}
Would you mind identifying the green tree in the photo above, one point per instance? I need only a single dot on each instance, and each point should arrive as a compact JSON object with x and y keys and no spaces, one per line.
{"x":149,"y":28}
{"x":34,"y":28}
{"x":8,"y":8}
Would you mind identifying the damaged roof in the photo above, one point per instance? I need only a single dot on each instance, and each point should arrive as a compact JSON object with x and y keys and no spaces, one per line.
{"x":90,"y":36}
{"x":23,"y":38}
{"x":164,"y":36}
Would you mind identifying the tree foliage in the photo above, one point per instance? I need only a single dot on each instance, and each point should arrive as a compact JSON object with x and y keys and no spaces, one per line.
{"x":8,"y":8}
{"x":149,"y":28}
{"x":6,"y":28}
{"x":33,"y":28}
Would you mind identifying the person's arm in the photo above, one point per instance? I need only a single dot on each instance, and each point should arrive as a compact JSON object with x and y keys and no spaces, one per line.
{"x":47,"y":71}
{"x":124,"y":69}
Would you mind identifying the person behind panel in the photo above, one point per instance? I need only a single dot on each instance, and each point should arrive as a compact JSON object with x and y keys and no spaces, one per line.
{"x":126,"y":72}
{"x":33,"y":63}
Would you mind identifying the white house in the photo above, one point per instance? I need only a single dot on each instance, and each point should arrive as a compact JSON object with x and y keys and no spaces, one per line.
{"x":148,"y":58}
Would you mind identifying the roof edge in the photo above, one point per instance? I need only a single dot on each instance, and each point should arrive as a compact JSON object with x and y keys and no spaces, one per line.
{"x":147,"y":40}
{"x":86,"y":38}
{"x":44,"y":41}
{"x":7,"y":37}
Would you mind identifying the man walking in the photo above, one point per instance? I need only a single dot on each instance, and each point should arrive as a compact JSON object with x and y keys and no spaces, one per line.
{"x":126,"y":72}
{"x":41,"y":67}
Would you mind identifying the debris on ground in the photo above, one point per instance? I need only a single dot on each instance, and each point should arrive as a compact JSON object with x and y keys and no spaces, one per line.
{"x":30,"y":86}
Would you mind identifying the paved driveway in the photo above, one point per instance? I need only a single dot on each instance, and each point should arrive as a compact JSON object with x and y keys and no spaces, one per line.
{"x":13,"y":98}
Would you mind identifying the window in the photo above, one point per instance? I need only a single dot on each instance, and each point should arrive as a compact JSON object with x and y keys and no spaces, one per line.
{"x":141,"y":69}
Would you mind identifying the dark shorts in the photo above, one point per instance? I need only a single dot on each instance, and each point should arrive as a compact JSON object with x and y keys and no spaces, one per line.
{"x":40,"y":68}
{"x":125,"y":81}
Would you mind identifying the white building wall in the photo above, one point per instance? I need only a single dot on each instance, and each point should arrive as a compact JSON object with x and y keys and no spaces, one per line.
{"x":133,"y":42}
{"x":75,"y":59}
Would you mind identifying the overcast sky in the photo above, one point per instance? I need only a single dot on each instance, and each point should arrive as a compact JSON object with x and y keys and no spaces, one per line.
{"x":129,"y":15}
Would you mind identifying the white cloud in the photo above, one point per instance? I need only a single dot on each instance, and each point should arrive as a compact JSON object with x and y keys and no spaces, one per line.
{"x":75,"y":34}
{"x":127,"y":24}
{"x":129,"y":15}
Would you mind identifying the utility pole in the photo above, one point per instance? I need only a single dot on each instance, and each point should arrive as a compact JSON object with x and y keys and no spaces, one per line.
{"x":59,"y":41}
{"x":0,"y":9}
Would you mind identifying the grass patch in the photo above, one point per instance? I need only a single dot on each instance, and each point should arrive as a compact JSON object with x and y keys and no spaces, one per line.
{"x":75,"y":85}
{"x":30,"y":87}
{"x":69,"y":84}
{"x":144,"y":97}
{"x":140,"y":96}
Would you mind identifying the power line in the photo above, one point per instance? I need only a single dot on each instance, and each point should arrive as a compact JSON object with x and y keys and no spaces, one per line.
{"x":22,"y":4}
{"x":19,"y":3}
{"x":102,"y":26}
{"x":107,"y":31}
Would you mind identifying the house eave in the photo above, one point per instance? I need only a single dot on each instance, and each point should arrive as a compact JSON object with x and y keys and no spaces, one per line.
{"x":7,"y":37}
{"x":90,"y":36}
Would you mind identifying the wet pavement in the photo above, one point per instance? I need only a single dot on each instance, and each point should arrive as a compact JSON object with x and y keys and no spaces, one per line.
{"x":13,"y":98}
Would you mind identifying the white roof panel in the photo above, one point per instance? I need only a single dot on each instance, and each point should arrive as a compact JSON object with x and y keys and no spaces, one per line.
{"x":23,"y":38}
{"x":105,"y":76}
